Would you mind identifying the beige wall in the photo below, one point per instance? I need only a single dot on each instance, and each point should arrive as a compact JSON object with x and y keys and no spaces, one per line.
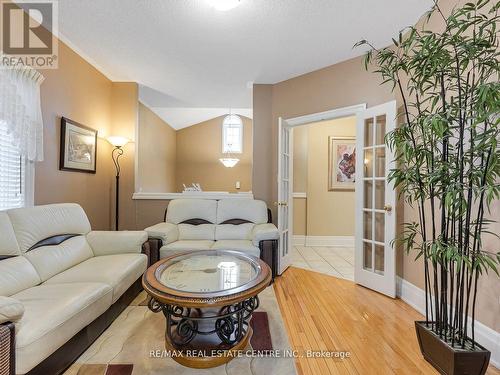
{"x":336,"y":86}
{"x":300,"y":216}
{"x":329,"y":213}
{"x":157,"y":148}
{"x":78,"y":91}
{"x":199,"y":148}
{"x":322,"y":212}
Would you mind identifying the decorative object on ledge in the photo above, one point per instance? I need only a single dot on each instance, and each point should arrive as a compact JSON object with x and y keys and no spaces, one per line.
{"x":447,"y":166}
{"x":195,"y":187}
{"x":341,"y":163}
{"x":118,"y":143}
{"x":78,"y":147}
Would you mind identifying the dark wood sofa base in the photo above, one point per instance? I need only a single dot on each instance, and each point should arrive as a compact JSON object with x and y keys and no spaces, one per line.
{"x":7,"y":347}
{"x":269,"y":254}
{"x":67,"y":354}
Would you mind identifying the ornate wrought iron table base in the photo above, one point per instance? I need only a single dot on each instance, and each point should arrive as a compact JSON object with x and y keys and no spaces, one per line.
{"x":204,"y":336}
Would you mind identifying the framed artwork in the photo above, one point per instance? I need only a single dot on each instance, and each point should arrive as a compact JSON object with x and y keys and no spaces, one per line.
{"x":341,"y":163}
{"x":78,"y":150}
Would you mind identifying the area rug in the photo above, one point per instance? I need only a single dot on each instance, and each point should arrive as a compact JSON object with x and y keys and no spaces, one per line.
{"x":130,"y":346}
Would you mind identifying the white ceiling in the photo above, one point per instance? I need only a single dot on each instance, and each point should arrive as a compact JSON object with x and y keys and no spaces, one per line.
{"x":186,"y":54}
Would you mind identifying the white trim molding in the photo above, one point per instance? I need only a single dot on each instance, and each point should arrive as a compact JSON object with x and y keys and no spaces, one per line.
{"x":192,"y":195}
{"x":323,"y":241}
{"x":299,"y":240}
{"x":487,"y":337}
{"x":326,"y":115}
{"x":299,"y":195}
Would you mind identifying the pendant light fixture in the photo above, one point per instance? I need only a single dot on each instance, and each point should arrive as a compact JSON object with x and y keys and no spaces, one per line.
{"x":228,"y":160}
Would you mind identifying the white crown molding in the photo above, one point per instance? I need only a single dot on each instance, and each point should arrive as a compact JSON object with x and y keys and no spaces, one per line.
{"x":487,"y":337}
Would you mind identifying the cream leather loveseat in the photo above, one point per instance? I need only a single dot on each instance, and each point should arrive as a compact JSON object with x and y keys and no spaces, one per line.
{"x":226,"y":224}
{"x":57,"y":276}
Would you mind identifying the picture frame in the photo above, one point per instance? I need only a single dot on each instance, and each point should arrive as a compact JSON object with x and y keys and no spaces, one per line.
{"x":341,"y":163}
{"x":78,"y":147}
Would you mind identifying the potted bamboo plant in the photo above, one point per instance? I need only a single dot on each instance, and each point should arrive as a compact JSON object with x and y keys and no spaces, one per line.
{"x":447,"y":167}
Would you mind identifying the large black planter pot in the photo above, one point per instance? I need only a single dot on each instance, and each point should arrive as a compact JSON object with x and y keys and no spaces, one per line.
{"x":448,"y":360}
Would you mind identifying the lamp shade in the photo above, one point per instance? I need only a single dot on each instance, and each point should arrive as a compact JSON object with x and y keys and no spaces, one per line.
{"x":118,"y":141}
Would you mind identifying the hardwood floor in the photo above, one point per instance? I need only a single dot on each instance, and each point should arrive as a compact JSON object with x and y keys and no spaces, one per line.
{"x":322,"y":312}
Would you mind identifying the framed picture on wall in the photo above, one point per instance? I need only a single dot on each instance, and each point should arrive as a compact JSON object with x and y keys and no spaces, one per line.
{"x":341,"y":163}
{"x":78,"y":148}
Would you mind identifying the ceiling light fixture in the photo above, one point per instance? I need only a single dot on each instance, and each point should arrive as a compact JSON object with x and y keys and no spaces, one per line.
{"x":224,"y":5}
{"x":229,"y":162}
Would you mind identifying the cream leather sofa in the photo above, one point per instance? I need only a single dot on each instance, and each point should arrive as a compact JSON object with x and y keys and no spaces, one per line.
{"x":226,"y":224}
{"x":57,"y":276}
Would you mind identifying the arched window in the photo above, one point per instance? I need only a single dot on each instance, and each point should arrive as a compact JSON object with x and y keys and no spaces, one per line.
{"x":232,"y":134}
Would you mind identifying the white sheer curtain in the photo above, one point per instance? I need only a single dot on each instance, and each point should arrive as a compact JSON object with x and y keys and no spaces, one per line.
{"x":20,"y":109}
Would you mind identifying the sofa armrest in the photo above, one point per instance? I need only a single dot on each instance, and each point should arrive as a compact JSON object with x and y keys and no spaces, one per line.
{"x":11,"y":310}
{"x":262,"y":232}
{"x":109,"y":242}
{"x":166,"y":232}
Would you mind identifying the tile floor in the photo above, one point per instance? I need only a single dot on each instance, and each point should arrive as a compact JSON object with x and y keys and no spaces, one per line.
{"x":333,"y":261}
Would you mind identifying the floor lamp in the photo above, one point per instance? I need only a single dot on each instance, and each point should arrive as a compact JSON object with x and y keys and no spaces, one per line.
{"x":118,"y":143}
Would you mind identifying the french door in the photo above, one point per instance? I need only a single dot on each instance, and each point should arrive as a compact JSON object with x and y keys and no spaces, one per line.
{"x":375,"y":258}
{"x":284,"y":204}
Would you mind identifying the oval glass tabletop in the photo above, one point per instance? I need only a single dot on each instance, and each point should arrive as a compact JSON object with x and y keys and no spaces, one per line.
{"x":210,"y":272}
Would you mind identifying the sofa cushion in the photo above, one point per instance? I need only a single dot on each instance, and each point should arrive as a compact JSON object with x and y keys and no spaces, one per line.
{"x":179,"y":246}
{"x":246,"y":209}
{"x":196,"y":232}
{"x":34,"y":224}
{"x":17,"y":274}
{"x":51,"y":260}
{"x":244,"y":246}
{"x":53,"y":314}
{"x":8,"y":244}
{"x":180,"y":210}
{"x":234,"y":232}
{"x":104,"y":242}
{"x":119,"y":271}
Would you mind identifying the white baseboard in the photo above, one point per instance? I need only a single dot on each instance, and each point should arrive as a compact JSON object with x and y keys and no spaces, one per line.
{"x":319,"y":241}
{"x":487,"y":337}
{"x":299,"y":240}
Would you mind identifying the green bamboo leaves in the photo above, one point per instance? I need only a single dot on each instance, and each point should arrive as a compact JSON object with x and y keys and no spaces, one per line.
{"x":447,"y":153}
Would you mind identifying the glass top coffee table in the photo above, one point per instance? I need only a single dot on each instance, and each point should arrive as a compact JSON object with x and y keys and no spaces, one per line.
{"x":207,"y":298}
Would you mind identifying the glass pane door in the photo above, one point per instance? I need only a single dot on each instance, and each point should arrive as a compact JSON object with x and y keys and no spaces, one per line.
{"x":374,"y":181}
{"x":375,"y":199}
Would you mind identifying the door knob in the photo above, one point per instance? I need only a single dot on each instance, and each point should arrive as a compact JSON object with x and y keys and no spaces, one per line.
{"x":281,"y":203}
{"x":388,"y":208}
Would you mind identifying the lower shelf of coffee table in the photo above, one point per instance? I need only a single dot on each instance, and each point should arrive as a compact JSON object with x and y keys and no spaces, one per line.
{"x":206,"y":351}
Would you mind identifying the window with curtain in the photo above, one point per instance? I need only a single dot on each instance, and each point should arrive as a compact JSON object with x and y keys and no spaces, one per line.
{"x":21,"y":134}
{"x":12,"y":172}
{"x":232,"y":134}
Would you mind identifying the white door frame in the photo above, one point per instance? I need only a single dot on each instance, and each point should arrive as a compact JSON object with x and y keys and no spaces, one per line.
{"x":332,"y":114}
